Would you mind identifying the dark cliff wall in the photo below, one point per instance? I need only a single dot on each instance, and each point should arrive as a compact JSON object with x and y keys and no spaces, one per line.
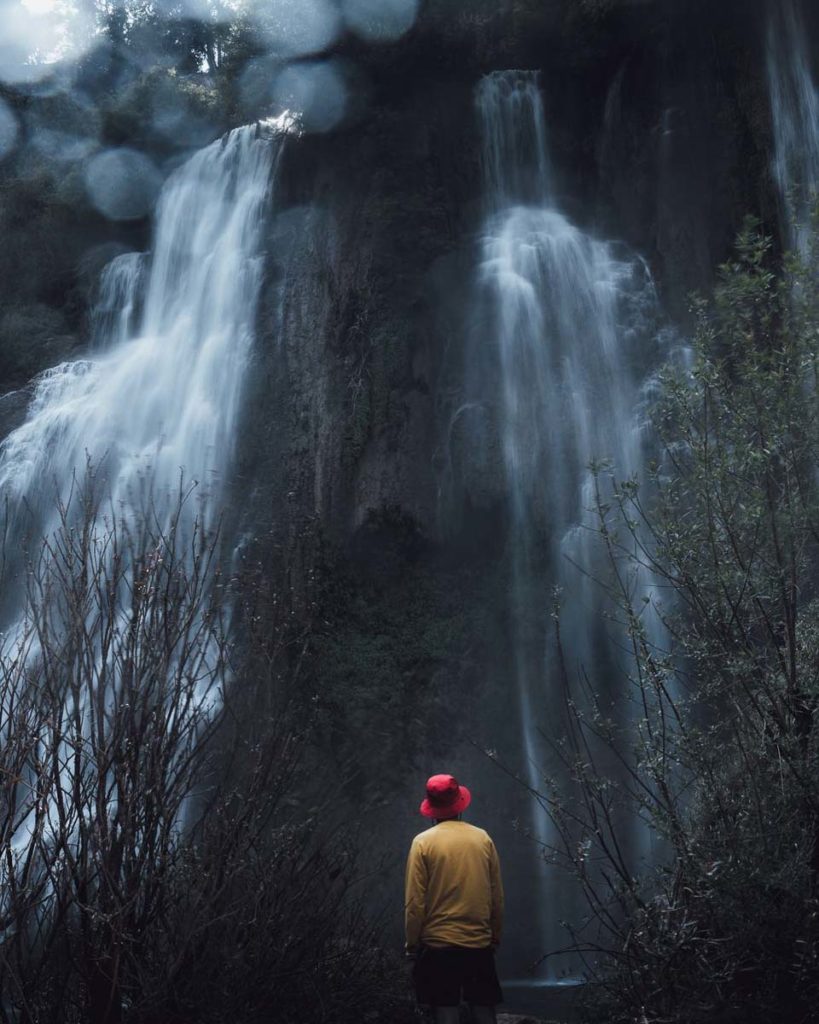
{"x":659,"y":130}
{"x":356,"y":451}
{"x":353,"y":339}
{"x":357,"y":454}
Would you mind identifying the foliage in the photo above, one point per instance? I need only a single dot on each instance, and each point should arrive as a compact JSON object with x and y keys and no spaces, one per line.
{"x":167,"y":31}
{"x":721,"y":762}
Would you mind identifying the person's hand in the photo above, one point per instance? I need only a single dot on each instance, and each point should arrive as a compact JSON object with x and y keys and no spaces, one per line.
{"x":409,"y":967}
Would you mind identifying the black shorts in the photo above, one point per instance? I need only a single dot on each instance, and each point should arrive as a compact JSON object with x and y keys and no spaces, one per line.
{"x":446,"y":975}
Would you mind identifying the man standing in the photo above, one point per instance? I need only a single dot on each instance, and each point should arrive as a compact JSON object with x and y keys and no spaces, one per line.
{"x":453,"y":908}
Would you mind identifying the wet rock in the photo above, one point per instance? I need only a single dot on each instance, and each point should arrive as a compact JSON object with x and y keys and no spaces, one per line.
{"x":12,"y":410}
{"x":514,"y":1018}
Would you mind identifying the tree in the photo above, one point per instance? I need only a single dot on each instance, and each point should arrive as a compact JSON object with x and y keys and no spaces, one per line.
{"x":720,"y":760}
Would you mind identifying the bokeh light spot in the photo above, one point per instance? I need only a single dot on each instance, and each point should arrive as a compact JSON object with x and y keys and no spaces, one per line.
{"x":380,"y":20}
{"x":28,"y":42}
{"x":316,"y":92}
{"x":35,"y":35}
{"x":40,"y":6}
{"x":122,"y":183}
{"x":297,"y":28}
{"x":8,"y":129}
{"x":61,"y":146}
{"x":175,"y":118}
{"x":256,"y":84}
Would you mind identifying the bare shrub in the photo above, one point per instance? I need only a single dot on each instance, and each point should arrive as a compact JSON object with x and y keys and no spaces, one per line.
{"x":157,"y":861}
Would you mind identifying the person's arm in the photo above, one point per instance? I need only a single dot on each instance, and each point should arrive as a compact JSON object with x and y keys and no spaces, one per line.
{"x":497,"y":894}
{"x":415,"y":892}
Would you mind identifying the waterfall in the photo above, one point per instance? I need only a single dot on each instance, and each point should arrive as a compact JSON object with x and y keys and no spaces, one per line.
{"x":154,"y":406}
{"x":159,"y":396}
{"x":795,"y":113}
{"x":515,"y":160}
{"x":115,"y":314}
{"x":571,"y":322}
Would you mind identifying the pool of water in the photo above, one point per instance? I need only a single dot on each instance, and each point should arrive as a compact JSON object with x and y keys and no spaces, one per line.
{"x":547,"y":1000}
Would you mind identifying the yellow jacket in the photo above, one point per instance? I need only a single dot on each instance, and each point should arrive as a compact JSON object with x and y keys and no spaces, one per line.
{"x":453,"y":891}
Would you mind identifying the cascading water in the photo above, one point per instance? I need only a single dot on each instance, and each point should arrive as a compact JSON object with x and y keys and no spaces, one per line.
{"x":795,"y":112}
{"x":159,"y":397}
{"x":115,"y":314}
{"x":571,"y":324}
{"x":156,"y":403}
{"x":152,"y":409}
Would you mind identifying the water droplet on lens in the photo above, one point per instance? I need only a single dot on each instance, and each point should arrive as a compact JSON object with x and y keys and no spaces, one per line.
{"x":297,"y":28}
{"x":380,"y":20}
{"x":61,"y":146}
{"x":255,"y":82}
{"x":317,"y":92}
{"x":8,"y":129}
{"x":122,"y":183}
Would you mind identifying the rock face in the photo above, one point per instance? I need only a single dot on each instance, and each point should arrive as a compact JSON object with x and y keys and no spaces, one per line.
{"x":360,"y":453}
{"x":658,"y":125}
{"x":355,"y":341}
{"x":12,"y":410}
{"x":514,"y":1018}
{"x":659,"y":130}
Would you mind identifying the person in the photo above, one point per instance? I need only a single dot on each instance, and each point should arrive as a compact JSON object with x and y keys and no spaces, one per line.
{"x":453,"y":908}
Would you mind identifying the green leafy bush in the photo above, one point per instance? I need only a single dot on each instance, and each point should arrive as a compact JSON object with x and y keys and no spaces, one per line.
{"x":721,"y":758}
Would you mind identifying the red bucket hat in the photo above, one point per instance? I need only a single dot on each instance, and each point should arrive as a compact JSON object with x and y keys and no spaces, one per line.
{"x":445,"y":798}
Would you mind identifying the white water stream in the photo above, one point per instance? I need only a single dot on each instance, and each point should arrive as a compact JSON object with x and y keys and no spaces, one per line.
{"x":573,"y":320}
{"x":795,"y":113}
{"x":159,"y":396}
{"x":153,"y":408}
